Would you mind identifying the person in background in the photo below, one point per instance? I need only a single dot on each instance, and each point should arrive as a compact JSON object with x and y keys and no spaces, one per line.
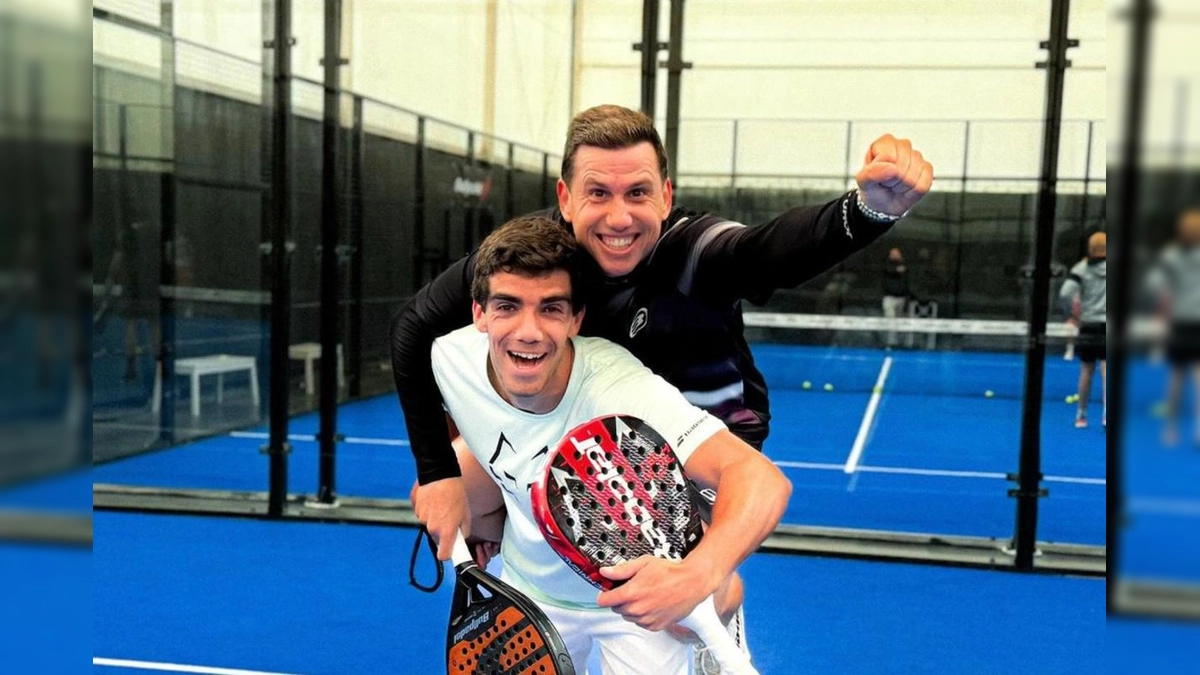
{"x":1175,"y":281}
{"x":895,"y":289}
{"x":1087,"y":285}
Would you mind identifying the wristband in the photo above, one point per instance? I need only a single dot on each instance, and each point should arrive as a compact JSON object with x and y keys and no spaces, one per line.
{"x":876,"y":216}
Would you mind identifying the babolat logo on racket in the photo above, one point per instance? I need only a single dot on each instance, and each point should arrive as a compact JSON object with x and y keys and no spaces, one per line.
{"x":484,"y":619}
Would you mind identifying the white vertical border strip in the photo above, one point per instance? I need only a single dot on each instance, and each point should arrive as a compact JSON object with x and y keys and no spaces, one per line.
{"x":864,"y":429}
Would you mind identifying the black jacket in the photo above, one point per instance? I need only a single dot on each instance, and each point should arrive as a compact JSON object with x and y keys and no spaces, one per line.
{"x":679,"y":312}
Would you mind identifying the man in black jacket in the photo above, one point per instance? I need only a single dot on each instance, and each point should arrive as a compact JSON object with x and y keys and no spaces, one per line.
{"x":666,"y":283}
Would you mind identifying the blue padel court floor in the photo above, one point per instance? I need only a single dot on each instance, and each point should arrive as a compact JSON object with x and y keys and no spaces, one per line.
{"x":908,"y":441}
{"x":934,"y":452}
{"x":902,"y":441}
{"x":198,"y":594}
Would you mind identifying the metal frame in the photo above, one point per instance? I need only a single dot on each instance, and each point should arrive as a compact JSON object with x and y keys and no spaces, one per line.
{"x":649,"y":47}
{"x":331,"y":192}
{"x":277,"y":64}
{"x":354,"y":361}
{"x":1127,"y":196}
{"x":1029,"y":476}
{"x":675,"y":66}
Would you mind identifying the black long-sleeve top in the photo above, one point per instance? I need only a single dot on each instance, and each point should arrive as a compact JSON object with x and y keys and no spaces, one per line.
{"x":895,"y":279}
{"x":679,"y":311}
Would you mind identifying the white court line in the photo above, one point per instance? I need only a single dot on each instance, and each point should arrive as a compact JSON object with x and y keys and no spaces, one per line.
{"x":176,"y":667}
{"x":932,"y":472}
{"x":1081,"y":481}
{"x":359,"y":440}
{"x":262,"y":436}
{"x":376,"y":441}
{"x":809,"y":465}
{"x":259,"y":435}
{"x":864,"y":429}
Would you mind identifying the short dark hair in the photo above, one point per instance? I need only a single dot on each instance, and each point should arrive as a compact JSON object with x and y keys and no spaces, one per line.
{"x":611,"y":127}
{"x":529,"y":246}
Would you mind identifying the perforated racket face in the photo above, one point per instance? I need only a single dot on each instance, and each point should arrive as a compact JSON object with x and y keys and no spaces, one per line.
{"x":614,"y":491}
{"x":498,"y":635}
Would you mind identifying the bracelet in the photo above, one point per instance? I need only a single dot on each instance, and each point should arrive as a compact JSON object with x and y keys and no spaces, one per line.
{"x":876,"y":216}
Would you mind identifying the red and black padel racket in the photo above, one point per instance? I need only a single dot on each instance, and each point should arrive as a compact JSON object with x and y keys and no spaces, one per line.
{"x":613,"y":490}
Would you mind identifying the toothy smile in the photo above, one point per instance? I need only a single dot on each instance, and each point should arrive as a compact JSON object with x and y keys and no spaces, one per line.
{"x":526,"y":358}
{"x":617,"y":243}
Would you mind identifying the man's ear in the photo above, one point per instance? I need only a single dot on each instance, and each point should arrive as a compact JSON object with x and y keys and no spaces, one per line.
{"x":564,"y":199}
{"x":668,"y":195}
{"x":477,"y":317}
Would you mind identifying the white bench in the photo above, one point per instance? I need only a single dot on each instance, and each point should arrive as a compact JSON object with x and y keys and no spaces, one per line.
{"x":214,"y":364}
{"x":309,"y":352}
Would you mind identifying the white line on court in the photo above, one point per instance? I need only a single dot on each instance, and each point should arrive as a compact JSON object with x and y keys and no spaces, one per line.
{"x":808,"y":465}
{"x":933,"y":472}
{"x":311,"y":438}
{"x":262,"y":436}
{"x":359,"y":440}
{"x":175,"y":667}
{"x":864,"y":429}
{"x":1081,"y":481}
{"x":377,"y":441}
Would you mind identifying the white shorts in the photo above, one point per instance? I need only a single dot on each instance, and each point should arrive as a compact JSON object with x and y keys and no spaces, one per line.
{"x":624,"y":647}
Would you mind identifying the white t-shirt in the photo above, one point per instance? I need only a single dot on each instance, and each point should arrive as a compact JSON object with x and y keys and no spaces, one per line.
{"x":513,"y":445}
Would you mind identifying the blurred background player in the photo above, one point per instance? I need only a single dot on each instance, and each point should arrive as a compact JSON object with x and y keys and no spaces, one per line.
{"x":1087,"y":285}
{"x":895,"y":290}
{"x":1175,"y":280}
{"x":131,"y":288}
{"x":1072,"y":322}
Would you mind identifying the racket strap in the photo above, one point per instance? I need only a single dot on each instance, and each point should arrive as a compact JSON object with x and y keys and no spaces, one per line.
{"x":423,"y":535}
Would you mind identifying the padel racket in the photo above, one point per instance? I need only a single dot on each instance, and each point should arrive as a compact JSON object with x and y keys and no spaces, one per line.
{"x":613,"y":491}
{"x":495,"y":629}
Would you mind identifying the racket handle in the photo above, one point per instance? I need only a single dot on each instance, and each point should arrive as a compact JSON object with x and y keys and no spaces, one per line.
{"x":704,"y":622}
{"x":460,"y":553}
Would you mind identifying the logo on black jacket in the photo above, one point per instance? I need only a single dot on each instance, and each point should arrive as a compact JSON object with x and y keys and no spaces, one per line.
{"x":639,"y":322}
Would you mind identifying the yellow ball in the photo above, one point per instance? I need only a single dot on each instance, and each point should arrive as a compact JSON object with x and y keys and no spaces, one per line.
{"x":807,"y":384}
{"x":828,"y":387}
{"x":1070,"y":398}
{"x":989,"y":393}
{"x":877,"y":390}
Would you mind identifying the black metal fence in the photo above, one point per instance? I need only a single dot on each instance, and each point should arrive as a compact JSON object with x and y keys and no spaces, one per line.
{"x":418,"y":194}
